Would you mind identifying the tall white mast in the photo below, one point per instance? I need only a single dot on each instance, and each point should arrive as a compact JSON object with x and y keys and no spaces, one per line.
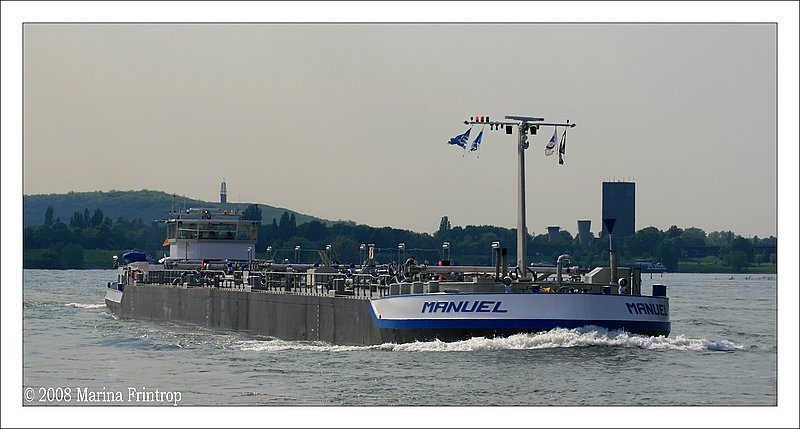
{"x":524,"y":124}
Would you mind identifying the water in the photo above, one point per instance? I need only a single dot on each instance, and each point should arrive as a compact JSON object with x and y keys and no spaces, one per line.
{"x":722,"y":351}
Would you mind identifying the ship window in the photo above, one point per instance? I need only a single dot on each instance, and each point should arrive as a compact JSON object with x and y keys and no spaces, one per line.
{"x":171,"y":230}
{"x":187,"y":234}
{"x":187,"y":231}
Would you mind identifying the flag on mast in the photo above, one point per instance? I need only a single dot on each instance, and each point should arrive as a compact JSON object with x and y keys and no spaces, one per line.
{"x":461,"y":139}
{"x":477,"y":142}
{"x":548,"y":150}
{"x":562,"y":147}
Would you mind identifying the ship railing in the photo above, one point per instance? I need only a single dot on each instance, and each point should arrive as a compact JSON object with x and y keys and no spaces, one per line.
{"x":188,"y":277}
{"x":310,"y":283}
{"x":164,"y":276}
{"x":333,"y":283}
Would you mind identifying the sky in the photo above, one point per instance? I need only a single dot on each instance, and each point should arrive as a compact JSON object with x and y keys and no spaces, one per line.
{"x":351,"y":121}
{"x":692,"y":101}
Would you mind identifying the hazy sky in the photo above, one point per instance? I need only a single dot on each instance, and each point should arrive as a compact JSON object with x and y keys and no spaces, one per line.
{"x":350,"y":121}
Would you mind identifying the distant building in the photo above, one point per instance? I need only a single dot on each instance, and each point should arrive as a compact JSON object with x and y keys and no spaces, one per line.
{"x":552,"y":232}
{"x":223,"y":192}
{"x":619,"y":202}
{"x":584,"y":233}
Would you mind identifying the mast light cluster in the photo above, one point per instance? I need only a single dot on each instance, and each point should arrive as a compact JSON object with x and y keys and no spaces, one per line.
{"x":529,"y":124}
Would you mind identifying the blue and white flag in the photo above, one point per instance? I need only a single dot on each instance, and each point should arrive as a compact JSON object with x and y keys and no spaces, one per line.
{"x":461,"y":139}
{"x":562,"y":147}
{"x":477,"y":142}
{"x":551,"y":145}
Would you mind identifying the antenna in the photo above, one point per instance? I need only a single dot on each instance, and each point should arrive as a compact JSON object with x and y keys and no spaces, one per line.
{"x":525,"y":125}
{"x":524,"y":118}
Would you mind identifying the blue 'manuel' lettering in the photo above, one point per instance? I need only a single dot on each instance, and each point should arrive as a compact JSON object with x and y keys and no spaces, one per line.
{"x":456,"y":307}
{"x":471,"y":309}
{"x":497,"y":309}
{"x":642,"y":308}
{"x":484,"y":307}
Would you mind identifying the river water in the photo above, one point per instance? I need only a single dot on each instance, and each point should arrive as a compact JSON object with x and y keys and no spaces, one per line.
{"x":722,"y":352}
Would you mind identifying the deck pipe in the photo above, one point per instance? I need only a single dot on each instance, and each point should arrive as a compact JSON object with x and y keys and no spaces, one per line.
{"x":559,"y":265}
{"x":612,"y":254}
{"x":497,"y":255}
{"x":504,"y":256}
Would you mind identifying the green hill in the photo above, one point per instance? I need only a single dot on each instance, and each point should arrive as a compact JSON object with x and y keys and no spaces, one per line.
{"x":145,"y":205}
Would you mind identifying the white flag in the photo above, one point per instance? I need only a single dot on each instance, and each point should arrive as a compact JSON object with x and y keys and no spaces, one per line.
{"x":551,"y":145}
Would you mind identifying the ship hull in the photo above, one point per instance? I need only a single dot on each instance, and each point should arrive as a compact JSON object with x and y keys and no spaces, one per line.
{"x":113,"y":300}
{"x":344,"y":320}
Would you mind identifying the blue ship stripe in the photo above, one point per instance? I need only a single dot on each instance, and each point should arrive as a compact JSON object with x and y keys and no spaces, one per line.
{"x":534,"y":324}
{"x":504,"y":294}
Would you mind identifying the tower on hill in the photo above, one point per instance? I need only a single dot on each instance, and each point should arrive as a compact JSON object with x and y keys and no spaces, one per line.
{"x":223,"y":192}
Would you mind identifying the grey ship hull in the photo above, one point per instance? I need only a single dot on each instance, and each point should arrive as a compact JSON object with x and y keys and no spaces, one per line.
{"x":287,"y":316}
{"x":337,"y":320}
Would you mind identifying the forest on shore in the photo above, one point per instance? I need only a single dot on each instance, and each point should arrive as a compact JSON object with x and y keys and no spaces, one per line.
{"x":89,"y":239}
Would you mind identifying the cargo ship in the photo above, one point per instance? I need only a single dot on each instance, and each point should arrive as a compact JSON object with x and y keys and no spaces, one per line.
{"x":212,"y":279}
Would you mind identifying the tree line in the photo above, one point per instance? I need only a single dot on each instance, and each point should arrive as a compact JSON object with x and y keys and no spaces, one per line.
{"x":61,"y":245}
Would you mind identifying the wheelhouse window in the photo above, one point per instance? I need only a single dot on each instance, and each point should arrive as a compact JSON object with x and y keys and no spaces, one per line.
{"x":213,"y":230}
